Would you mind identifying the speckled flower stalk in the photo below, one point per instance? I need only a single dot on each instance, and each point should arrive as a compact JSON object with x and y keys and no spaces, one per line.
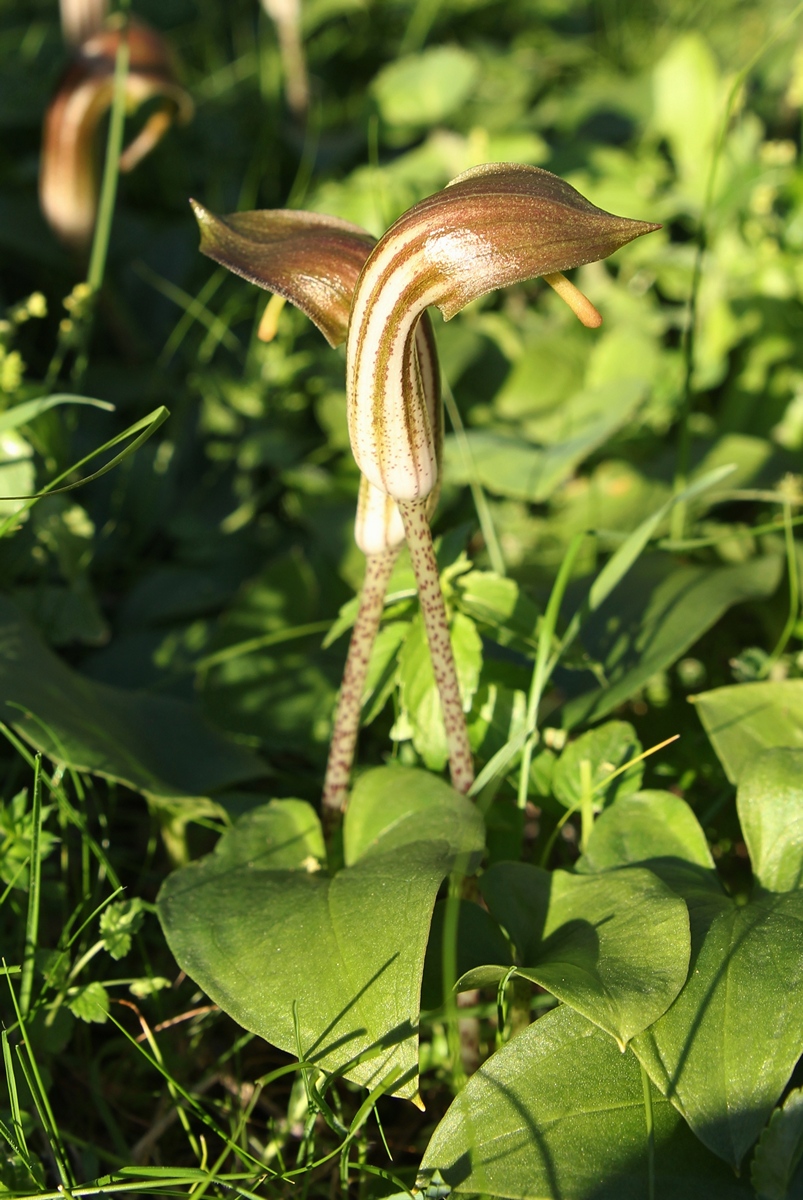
{"x":378,"y":570}
{"x":314,"y":261}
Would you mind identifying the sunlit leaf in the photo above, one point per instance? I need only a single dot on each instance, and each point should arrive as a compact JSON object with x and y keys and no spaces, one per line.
{"x":344,"y":954}
{"x":558,"y":1114}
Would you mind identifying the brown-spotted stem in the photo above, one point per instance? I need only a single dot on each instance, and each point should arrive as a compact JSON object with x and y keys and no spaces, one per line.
{"x":433,"y":610}
{"x":378,"y":569}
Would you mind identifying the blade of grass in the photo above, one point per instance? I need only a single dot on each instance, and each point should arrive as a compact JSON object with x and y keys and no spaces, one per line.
{"x":111,"y":170}
{"x":143,"y":428}
{"x":189,"y":1099}
{"x":546,"y":636}
{"x":477,"y":492}
{"x":259,"y":643}
{"x":186,"y":319}
{"x":33,"y":1078}
{"x":611,"y":574}
{"x":34,"y":892}
{"x":22,"y":414}
{"x":19,"y":1143}
{"x":194,"y":308}
{"x":794,"y":589}
{"x":77,"y":819}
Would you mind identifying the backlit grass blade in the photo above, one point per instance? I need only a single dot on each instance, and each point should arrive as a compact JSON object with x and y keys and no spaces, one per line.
{"x":143,"y":429}
{"x":34,"y":892}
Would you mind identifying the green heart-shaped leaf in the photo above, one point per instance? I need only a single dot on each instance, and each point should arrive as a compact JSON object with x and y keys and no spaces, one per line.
{"x":559,"y":1112}
{"x":605,"y":748}
{"x":615,"y":947}
{"x":274,"y":940}
{"x":728,"y":1044}
{"x":725,"y":1049}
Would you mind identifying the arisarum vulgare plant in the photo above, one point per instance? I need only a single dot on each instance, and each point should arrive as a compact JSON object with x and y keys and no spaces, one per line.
{"x":493,"y":226}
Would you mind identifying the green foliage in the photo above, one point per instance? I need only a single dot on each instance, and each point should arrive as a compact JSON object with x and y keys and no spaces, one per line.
{"x":344,"y":989}
{"x":614,"y":948}
{"x":118,"y":923}
{"x":744,"y":721}
{"x":174,"y":631}
{"x":566,"y":1108}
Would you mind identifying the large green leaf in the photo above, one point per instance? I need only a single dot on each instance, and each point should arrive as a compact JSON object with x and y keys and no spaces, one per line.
{"x":742,"y":721}
{"x":153,"y":744}
{"x":394,"y":807}
{"x":654,"y":616}
{"x":265,"y":932}
{"x":559,"y":1114}
{"x":729,"y":1043}
{"x":615,"y":947}
{"x":725,"y":1049}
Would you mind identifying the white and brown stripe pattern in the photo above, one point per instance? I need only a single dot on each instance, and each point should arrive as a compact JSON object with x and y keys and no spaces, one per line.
{"x":491,"y":227}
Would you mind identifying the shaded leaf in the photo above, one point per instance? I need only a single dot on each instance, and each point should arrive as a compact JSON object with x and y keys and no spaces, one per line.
{"x":727,"y":1046}
{"x":153,"y":744}
{"x":391,"y":807}
{"x":479,"y":941}
{"x":777,"y":1170}
{"x":653,"y":617}
{"x":644,"y":827}
{"x":725,"y":1049}
{"x":508,"y":466}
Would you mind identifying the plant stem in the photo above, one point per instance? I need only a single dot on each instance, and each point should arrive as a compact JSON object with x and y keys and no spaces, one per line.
{"x":111,"y":171}
{"x":433,"y":610}
{"x":541,"y":671}
{"x":35,"y":877}
{"x":478,"y":495}
{"x":586,"y":803}
{"x":378,"y":569}
{"x":794,"y":589}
